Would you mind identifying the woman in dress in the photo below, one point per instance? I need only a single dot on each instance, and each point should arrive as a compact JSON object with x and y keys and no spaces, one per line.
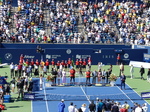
{"x":59,"y":76}
{"x":99,"y":75}
{"x":63,"y":76}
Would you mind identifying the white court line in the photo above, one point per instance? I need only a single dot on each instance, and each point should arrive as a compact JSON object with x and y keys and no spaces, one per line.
{"x":137,"y":94}
{"x":125,"y":94}
{"x":45,"y":97}
{"x":85,"y":94}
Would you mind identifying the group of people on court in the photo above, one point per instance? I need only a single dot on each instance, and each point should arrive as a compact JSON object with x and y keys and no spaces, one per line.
{"x":26,"y":67}
{"x":141,"y":71}
{"x":106,"y":105}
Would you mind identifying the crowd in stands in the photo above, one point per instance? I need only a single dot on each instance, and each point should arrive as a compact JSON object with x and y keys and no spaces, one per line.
{"x":5,"y":21}
{"x":63,"y":22}
{"x":100,"y":21}
{"x":96,"y":22}
{"x":29,"y":21}
{"x":133,"y":22}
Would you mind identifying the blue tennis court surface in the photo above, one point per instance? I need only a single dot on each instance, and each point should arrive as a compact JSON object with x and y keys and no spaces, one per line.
{"x":48,"y":98}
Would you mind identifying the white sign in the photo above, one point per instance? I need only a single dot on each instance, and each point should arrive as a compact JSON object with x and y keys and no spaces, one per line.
{"x":28,"y":56}
{"x":139,"y":64}
{"x":126,"y":55}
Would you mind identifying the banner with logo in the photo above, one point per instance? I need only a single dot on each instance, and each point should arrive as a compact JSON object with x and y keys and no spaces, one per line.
{"x":29,"y":96}
{"x":146,"y":57}
{"x":145,"y":94}
{"x":105,"y":55}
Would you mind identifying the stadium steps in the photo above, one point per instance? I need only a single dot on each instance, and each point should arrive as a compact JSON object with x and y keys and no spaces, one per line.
{"x":80,"y":25}
{"x":114,"y":27}
{"x":47,"y":21}
{"x":13,"y":26}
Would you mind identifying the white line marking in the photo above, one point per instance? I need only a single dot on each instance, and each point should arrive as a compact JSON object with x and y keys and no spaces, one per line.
{"x":125,"y":94}
{"x":138,"y":94}
{"x":85,"y":94}
{"x":45,"y":97}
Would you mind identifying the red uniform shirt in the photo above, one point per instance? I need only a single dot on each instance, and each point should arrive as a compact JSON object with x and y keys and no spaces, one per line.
{"x":47,"y":63}
{"x":89,"y":61}
{"x":37,"y":63}
{"x":58,"y":64}
{"x":72,"y":72}
{"x":62,"y":63}
{"x":118,"y":57}
{"x":32,"y":62}
{"x":84,"y":62}
{"x":88,"y":74}
{"x":21,"y":61}
{"x":77,"y":62}
{"x":27,"y":62}
{"x":69,"y":62}
{"x":52,"y":62}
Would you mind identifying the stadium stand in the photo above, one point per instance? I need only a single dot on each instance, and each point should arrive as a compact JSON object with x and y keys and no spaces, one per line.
{"x":75,"y":22}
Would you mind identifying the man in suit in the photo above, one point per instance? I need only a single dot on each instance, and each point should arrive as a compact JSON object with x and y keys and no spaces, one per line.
{"x":123,"y":79}
{"x":142,"y":71}
{"x":115,"y":108}
{"x":94,"y":75}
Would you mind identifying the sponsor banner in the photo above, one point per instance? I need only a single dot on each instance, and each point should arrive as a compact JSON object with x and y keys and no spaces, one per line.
{"x":146,"y":57}
{"x":29,"y":96}
{"x":145,"y":94}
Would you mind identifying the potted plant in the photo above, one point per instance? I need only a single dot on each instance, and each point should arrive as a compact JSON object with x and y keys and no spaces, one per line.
{"x":50,"y":79}
{"x":112,"y":79}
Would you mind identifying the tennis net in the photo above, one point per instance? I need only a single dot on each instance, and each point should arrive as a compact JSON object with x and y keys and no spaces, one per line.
{"x":67,"y":97}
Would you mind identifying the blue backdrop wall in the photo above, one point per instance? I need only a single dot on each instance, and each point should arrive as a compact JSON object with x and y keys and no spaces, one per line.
{"x":105,"y":55}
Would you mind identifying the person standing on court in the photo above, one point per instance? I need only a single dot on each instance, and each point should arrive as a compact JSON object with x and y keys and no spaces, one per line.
{"x":131,"y":71}
{"x":108,"y":106}
{"x":12,"y":67}
{"x":148,"y":75}
{"x":64,"y":76}
{"x":121,"y":68}
{"x":100,"y":106}
{"x":118,"y":59}
{"x":47,"y":63}
{"x":123,"y":79}
{"x":88,"y":75}
{"x":89,"y":63}
{"x":61,"y":106}
{"x":92,"y":107}
{"x":71,"y":107}
{"x":54,"y":73}
{"x":41,"y":82}
{"x":72,"y":75}
{"x":94,"y":75}
{"x":115,"y":108}
{"x":142,"y":71}
{"x":107,"y":76}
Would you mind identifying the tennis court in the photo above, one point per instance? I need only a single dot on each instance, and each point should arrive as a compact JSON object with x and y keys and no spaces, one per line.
{"x":47,"y":99}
